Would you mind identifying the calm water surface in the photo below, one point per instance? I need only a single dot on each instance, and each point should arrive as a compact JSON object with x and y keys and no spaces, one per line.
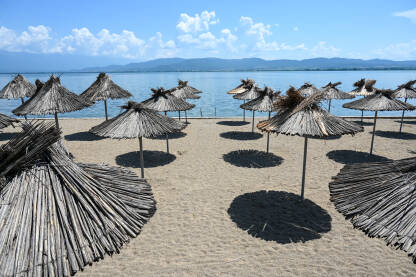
{"x":214,"y":86}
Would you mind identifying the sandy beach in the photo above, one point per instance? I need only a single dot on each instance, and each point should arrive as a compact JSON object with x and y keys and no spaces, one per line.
{"x":226,"y":213}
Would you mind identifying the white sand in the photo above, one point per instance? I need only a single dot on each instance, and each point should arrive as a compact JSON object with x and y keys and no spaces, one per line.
{"x":192,"y":234}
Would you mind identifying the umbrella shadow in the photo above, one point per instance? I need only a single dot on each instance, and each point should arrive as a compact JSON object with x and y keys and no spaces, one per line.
{"x":411,"y":122}
{"x":352,"y":157}
{"x":82,"y":136}
{"x":233,"y":123}
{"x":395,"y":135}
{"x":241,"y":135}
{"x":176,"y":135}
{"x":151,"y":159}
{"x":364,"y":123}
{"x":7,"y":136}
{"x":279,"y":216}
{"x":327,"y":138}
{"x":252,"y":159}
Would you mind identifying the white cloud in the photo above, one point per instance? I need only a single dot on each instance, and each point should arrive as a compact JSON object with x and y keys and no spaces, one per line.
{"x":197,"y":23}
{"x":258,"y":29}
{"x":34,"y":40}
{"x":296,"y":28}
{"x":322,"y":49}
{"x":410,"y":14}
{"x":398,"y":51}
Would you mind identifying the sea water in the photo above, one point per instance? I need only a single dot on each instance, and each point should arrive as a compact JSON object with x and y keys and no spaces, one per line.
{"x":214,"y":85}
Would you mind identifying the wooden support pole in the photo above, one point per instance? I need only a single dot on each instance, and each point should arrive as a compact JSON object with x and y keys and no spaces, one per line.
{"x":329,"y":105}
{"x":374,"y":131}
{"x":105,"y":107}
{"x":56,"y":120}
{"x":244,"y":112}
{"x":252,"y":124}
{"x":179,"y":115}
{"x":23,"y":101}
{"x":141,"y":157}
{"x":186,"y":117}
{"x":362,"y":114}
{"x":268,"y":137}
{"x":167,"y":140}
{"x":305,"y":152}
{"x":401,"y":121}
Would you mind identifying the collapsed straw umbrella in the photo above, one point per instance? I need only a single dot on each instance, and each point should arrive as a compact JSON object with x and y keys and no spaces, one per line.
{"x":363,"y":88}
{"x":58,"y":216}
{"x":184,"y":91}
{"x":405,"y":91}
{"x":251,"y":92}
{"x":308,"y":89}
{"x":332,"y":92}
{"x":382,"y":100}
{"x":304,"y":117}
{"x":18,"y":88}
{"x":103,"y":89}
{"x":6,"y":121}
{"x":263,"y":103}
{"x":380,"y":199}
{"x":52,"y":98}
{"x":137,"y":122}
{"x":163,"y":101}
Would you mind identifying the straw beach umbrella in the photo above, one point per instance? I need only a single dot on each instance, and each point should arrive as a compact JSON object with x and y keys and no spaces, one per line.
{"x":332,"y":92}
{"x":251,"y":92}
{"x":363,"y":88}
{"x":308,"y":89}
{"x":382,"y":100}
{"x":6,"y":121}
{"x":405,"y":91}
{"x":163,"y":101}
{"x":60,"y":215}
{"x":137,"y":122}
{"x":242,"y":87}
{"x":184,"y":91}
{"x":103,"y":89}
{"x":263,"y":103}
{"x":52,"y":98}
{"x":300,"y":116}
{"x":18,"y":88}
{"x":380,"y":199}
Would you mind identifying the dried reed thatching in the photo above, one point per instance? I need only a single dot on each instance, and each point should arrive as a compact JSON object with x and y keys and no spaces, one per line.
{"x":332,"y":92}
{"x":189,"y":89}
{"x":137,"y":122}
{"x":380,"y":199}
{"x":405,"y":91}
{"x":102,"y":89}
{"x":242,"y":87}
{"x":18,"y":88}
{"x":6,"y":121}
{"x":364,"y":87}
{"x":163,"y":101}
{"x":302,"y":116}
{"x":308,"y":89}
{"x":251,"y":92}
{"x":59,"y":216}
{"x":52,"y":98}
{"x":184,"y":93}
{"x":381,"y":100}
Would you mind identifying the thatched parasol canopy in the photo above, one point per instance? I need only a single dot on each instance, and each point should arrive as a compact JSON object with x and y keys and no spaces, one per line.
{"x":137,"y":121}
{"x":308,"y":89}
{"x":183,"y":93}
{"x":405,"y":90}
{"x":184,"y":85}
{"x":263,"y":103}
{"x":381,"y":100}
{"x":364,"y":88}
{"x":163,"y":101}
{"x":18,"y":88}
{"x":251,"y":92}
{"x":104,"y":88}
{"x":60,"y":215}
{"x":242,"y":87}
{"x":6,"y":121}
{"x":52,"y":98}
{"x":380,"y":199}
{"x":302,"y":116}
{"x":332,"y":92}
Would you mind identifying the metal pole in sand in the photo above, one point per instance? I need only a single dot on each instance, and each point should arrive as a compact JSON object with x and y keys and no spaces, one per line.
{"x":401,"y":121}
{"x":374,"y":130}
{"x":305,"y":151}
{"x":105,"y":107}
{"x":141,"y":156}
{"x":56,"y":120}
{"x":268,"y":136}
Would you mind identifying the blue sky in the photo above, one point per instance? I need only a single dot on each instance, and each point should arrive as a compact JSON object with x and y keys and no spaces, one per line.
{"x":142,"y":30}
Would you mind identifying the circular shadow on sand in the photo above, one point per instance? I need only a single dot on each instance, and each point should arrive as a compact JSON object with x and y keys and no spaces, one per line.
{"x":351,"y":157}
{"x":410,"y":122}
{"x":7,"y":136}
{"x":82,"y":136}
{"x":151,"y":159}
{"x":233,"y":123}
{"x":241,"y":135}
{"x":279,"y":216}
{"x":252,"y":159}
{"x":327,"y":138}
{"x":177,"y":135}
{"x":364,"y":123}
{"x":395,"y":135}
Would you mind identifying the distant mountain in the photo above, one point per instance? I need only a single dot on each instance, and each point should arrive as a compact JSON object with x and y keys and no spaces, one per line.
{"x":253,"y":64}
